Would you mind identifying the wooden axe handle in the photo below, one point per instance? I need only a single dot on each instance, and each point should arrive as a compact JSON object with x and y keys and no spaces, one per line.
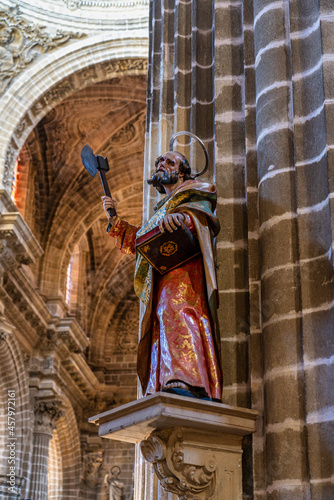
{"x":112,"y":212}
{"x":104,"y":181}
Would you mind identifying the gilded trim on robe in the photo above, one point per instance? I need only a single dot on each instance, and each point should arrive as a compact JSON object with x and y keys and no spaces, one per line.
{"x":176,"y":344}
{"x":196,"y":198}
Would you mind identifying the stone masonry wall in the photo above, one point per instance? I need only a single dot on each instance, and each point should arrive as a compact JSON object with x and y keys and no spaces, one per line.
{"x":273,"y":103}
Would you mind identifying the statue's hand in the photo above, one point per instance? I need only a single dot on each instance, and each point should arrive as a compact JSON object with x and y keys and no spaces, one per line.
{"x":109,"y":203}
{"x":171,"y":222}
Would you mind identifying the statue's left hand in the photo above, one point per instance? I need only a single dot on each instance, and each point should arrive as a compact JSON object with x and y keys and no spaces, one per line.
{"x":171,"y":222}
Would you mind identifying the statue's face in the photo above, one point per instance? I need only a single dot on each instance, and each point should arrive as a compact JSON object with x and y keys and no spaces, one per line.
{"x":167,"y":170}
{"x":168,"y":163}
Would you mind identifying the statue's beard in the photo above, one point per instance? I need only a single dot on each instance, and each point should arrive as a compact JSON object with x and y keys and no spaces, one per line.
{"x":162,"y":178}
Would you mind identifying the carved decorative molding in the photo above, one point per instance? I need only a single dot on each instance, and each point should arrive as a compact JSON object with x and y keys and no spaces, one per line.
{"x":72,"y":4}
{"x":166,"y":450}
{"x":21,"y":42}
{"x":93,"y":467}
{"x":49,"y":341}
{"x":123,"y":65}
{"x":77,"y":4}
{"x":15,"y":235}
{"x":4,"y":336}
{"x":46,"y":415}
{"x":125,"y":134}
{"x":59,"y":92}
{"x":127,"y":331}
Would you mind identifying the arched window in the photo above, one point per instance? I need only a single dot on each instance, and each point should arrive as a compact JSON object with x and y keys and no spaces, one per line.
{"x":15,"y":182}
{"x":72,"y":280}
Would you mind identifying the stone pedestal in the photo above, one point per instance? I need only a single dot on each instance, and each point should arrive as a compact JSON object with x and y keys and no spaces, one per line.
{"x":194,"y":445}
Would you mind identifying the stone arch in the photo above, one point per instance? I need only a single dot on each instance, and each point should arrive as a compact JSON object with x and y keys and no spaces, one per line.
{"x":14,"y":387}
{"x":40,"y":87}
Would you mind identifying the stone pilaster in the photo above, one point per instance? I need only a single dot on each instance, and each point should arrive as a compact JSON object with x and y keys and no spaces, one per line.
{"x":180,"y":92}
{"x":230,"y":179}
{"x":180,"y":96}
{"x":46,"y":414}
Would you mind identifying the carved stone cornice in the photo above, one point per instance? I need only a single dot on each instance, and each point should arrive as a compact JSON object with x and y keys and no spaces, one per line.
{"x":18,"y":244}
{"x":46,"y":413}
{"x":6,"y":329}
{"x":64,"y":334}
{"x":77,"y":4}
{"x":167,"y":452}
{"x":21,"y":42}
{"x":72,"y":335}
{"x":25,"y":308}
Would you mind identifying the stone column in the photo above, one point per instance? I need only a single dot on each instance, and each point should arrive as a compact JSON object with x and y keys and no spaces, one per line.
{"x":284,"y":448}
{"x":314,"y":193}
{"x":180,"y":82}
{"x":46,"y":414}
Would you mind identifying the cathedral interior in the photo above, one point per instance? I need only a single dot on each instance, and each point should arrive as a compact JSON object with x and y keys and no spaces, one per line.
{"x":253,"y":79}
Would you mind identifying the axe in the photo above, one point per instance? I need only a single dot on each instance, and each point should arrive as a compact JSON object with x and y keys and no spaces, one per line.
{"x":95,"y":163}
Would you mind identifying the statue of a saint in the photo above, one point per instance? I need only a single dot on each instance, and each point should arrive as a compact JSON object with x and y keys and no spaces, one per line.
{"x":179,"y":346}
{"x":114,"y":486}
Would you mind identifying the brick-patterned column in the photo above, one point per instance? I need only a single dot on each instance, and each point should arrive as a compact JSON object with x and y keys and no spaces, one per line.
{"x":180,"y":96}
{"x":274,"y":109}
{"x":46,"y":415}
{"x":326,"y":68}
{"x":231,"y":187}
{"x":257,"y":481}
{"x":180,"y":92}
{"x":312,"y":133}
{"x":285,"y":443}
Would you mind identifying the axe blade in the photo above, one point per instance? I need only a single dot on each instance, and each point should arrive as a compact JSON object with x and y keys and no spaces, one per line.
{"x":89,"y":160}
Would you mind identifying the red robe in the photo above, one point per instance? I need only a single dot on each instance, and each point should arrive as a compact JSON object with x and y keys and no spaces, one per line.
{"x":182,"y":343}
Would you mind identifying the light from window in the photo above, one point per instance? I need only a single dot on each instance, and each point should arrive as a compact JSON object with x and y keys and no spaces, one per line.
{"x":15,"y":183}
{"x":69,"y":282}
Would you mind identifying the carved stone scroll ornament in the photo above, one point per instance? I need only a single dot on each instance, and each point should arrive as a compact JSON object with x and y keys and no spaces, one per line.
{"x":166,"y":450}
{"x":21,"y":42}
